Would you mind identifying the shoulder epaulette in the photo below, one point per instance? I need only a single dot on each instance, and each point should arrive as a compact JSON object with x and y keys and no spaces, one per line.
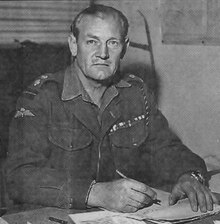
{"x":32,"y":90}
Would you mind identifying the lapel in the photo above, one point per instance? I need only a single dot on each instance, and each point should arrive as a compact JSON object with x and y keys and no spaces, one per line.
{"x":72,"y":95}
{"x":85,"y":114}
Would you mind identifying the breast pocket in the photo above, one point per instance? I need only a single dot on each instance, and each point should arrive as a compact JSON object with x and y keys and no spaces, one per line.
{"x":128,"y":148}
{"x":68,"y":138}
{"x":129,"y":136}
{"x":70,"y":148}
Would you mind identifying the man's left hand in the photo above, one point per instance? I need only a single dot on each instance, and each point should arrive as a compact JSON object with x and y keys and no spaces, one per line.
{"x":199,"y":195}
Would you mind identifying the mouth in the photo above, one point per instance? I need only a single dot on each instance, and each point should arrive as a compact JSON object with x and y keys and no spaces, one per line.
{"x":101,"y":64}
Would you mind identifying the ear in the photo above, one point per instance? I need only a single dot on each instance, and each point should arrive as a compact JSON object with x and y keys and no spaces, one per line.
{"x":125,"y":47}
{"x":72,"y":45}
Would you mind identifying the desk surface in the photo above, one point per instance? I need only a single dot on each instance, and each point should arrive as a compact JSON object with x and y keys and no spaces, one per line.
{"x":41,"y":216}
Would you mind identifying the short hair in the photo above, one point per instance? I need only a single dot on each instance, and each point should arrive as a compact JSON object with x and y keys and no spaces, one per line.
{"x":100,"y":11}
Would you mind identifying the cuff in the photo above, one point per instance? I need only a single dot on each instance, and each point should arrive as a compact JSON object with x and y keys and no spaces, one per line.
{"x":88,"y":192}
{"x":75,"y":192}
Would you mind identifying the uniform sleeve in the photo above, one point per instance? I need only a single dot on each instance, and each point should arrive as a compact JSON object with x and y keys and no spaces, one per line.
{"x":29,"y":177}
{"x":169,"y":157}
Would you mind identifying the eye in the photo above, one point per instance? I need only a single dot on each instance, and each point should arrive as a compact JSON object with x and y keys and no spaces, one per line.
{"x":91,"y":42}
{"x":113,"y":43}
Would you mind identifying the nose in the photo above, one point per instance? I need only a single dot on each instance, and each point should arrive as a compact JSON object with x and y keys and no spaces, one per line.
{"x":103,"y":52}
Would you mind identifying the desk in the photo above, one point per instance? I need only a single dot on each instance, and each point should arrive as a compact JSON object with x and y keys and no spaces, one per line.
{"x":40,"y":216}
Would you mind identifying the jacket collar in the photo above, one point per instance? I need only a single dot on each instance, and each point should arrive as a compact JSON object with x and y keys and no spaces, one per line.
{"x":72,"y":86}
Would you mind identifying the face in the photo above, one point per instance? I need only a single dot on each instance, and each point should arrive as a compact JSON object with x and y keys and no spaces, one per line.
{"x":99,"y":47}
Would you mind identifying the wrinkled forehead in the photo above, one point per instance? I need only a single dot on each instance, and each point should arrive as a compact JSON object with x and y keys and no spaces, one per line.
{"x":87,"y":21}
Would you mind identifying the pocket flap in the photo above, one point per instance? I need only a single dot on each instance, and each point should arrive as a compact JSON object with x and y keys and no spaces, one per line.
{"x":130,"y":137}
{"x":68,"y":138}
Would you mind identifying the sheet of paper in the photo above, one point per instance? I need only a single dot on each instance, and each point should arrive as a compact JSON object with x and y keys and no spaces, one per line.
{"x":180,"y":211}
{"x":2,"y":221}
{"x":102,"y":217}
{"x":156,"y":213}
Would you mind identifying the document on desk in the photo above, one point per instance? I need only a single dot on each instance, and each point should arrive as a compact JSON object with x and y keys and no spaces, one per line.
{"x":180,"y":212}
{"x":2,"y":221}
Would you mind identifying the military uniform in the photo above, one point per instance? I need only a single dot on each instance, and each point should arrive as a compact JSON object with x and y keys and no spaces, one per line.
{"x":60,"y":141}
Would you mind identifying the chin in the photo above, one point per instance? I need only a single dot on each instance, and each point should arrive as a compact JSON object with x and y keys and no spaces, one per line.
{"x":107,"y":80}
{"x":100,"y":75}
{"x":104,"y":76}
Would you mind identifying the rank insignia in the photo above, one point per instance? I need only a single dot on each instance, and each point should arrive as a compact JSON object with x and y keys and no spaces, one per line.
{"x":23,"y":112}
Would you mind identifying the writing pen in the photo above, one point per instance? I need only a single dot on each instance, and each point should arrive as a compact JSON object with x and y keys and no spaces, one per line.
{"x":156,"y":201}
{"x":53,"y":219}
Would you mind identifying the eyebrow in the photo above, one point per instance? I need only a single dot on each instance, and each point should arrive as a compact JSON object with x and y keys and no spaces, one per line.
{"x":97,"y":38}
{"x":92,"y":36}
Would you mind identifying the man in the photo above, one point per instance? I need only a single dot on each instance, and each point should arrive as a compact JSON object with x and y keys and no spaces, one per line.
{"x":77,"y":132}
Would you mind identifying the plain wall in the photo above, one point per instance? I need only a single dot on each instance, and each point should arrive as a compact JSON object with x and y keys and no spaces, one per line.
{"x":189,"y":80}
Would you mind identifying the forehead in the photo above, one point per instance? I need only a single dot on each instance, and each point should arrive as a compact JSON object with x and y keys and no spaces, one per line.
{"x":107,"y":26}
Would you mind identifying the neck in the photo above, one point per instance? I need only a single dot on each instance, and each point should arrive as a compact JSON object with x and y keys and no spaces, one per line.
{"x":93,"y":88}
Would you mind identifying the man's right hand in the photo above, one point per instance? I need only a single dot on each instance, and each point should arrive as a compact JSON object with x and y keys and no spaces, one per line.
{"x":124,"y":195}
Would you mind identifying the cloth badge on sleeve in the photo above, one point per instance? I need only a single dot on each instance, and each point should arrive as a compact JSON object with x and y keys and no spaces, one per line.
{"x":23,"y":112}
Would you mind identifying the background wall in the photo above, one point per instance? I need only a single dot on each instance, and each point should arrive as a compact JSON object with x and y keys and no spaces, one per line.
{"x":39,"y":21}
{"x":189,"y":81}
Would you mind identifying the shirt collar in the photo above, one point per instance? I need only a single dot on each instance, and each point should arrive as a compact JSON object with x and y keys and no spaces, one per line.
{"x":72,"y":86}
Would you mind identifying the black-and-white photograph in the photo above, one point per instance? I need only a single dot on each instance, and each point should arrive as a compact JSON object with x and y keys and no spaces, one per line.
{"x":110,"y":111}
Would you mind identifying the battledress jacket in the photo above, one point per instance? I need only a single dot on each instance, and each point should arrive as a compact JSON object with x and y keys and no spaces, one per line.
{"x":60,"y":142}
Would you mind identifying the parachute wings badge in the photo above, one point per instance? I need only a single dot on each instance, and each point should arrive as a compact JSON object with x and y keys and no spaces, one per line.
{"x":23,"y":112}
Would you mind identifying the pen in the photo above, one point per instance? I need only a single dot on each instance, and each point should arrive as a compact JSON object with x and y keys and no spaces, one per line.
{"x":58,"y":220}
{"x":156,"y":201}
{"x":120,"y":174}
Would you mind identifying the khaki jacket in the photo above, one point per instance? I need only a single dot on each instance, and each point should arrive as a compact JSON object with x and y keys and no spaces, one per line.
{"x":60,"y":141}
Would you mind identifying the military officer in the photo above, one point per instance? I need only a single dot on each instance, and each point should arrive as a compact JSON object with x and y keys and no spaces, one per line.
{"x":78,"y":131}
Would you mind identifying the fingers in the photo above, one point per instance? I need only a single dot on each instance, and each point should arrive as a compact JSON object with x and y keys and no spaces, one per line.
{"x":135,"y":203}
{"x":129,"y":208}
{"x":140,"y":195}
{"x":191,"y":194}
{"x":209,"y":200}
{"x":200,"y":197}
{"x":176,"y":195}
{"x":139,"y":199}
{"x":144,"y":189}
